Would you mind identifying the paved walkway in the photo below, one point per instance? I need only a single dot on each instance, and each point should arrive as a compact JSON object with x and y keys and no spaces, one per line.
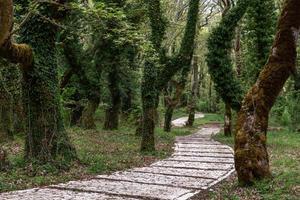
{"x":181,"y":122}
{"x":197,"y":163}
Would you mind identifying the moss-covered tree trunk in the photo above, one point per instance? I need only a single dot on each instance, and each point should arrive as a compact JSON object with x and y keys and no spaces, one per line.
{"x":6,"y":121}
{"x":149,"y":106}
{"x":3,"y":159}
{"x":155,"y":80}
{"x":251,"y":156}
{"x":168,"y":118}
{"x":76,"y":113}
{"x":113,"y":110}
{"x":194,"y":91}
{"x":46,"y":138}
{"x":227,"y":120}
{"x":238,"y":51}
{"x":172,"y":102}
{"x":87,"y":120}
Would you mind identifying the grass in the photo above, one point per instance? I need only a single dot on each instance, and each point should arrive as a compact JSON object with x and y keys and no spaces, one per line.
{"x":284,"y":151}
{"x":99,"y":152}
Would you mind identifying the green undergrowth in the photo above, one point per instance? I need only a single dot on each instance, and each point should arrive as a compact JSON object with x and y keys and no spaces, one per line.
{"x":284,"y":151}
{"x":99,"y":152}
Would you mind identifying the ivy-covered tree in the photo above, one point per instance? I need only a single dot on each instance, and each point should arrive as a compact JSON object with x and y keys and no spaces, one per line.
{"x":46,"y":138}
{"x":154,"y":78}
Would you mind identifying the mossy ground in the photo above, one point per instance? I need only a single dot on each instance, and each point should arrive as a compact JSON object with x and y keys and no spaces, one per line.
{"x":99,"y":152}
{"x":284,"y":151}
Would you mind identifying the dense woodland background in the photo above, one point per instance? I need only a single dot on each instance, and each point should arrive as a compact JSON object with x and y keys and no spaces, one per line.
{"x":91,"y":86}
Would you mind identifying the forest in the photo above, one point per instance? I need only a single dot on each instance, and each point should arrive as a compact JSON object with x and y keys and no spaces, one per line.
{"x":149,"y":99}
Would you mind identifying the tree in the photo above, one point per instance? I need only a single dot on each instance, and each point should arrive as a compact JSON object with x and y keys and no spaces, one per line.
{"x":219,"y":60}
{"x":154,"y":79}
{"x":195,"y":86}
{"x":46,"y":138}
{"x":251,"y":156}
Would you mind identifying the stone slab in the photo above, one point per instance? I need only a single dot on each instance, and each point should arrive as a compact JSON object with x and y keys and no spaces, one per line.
{"x":55,"y":194}
{"x":167,"y":180}
{"x":202,"y":159}
{"x":215,"y":150}
{"x":137,"y":190}
{"x":194,"y":165}
{"x":183,"y":172}
{"x":203,"y":154}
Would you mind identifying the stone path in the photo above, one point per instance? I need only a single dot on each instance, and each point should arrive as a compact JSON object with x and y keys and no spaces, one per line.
{"x":197,"y":163}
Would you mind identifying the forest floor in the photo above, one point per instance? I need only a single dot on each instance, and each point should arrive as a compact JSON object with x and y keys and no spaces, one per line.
{"x":99,"y":152}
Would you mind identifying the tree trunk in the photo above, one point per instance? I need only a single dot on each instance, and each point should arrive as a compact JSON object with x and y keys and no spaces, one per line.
{"x":237,"y":51}
{"x":227,"y":120}
{"x":46,"y":138}
{"x":87,"y":120}
{"x":210,"y":100}
{"x":148,"y":143}
{"x":127,"y":102}
{"x":251,"y":156}
{"x":7,"y":128}
{"x":76,"y":113}
{"x":194,"y":92}
{"x":3,"y":160}
{"x":149,"y":104}
{"x":112,"y":113}
{"x":168,"y":118}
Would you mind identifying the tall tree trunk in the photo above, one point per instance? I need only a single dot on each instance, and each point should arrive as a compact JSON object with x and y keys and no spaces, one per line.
{"x":168,"y":118}
{"x":6,"y":118}
{"x":194,"y":91}
{"x":46,"y":138}
{"x":237,"y":51}
{"x":210,"y":100}
{"x":3,"y":159}
{"x":149,"y":104}
{"x":112,"y":112}
{"x":227,"y":120}
{"x":127,"y":102}
{"x":251,"y":156}
{"x":172,"y":102}
{"x":87,"y":120}
{"x":76,"y":113}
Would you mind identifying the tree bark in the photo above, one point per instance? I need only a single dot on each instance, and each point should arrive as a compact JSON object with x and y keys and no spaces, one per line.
{"x":194,"y":91}
{"x":237,"y":50}
{"x":251,"y":156}
{"x":227,"y":120}
{"x":172,"y":102}
{"x":113,"y":111}
{"x":168,"y":118}
{"x":87,"y":120}
{"x":3,"y":159}
{"x":46,"y":138}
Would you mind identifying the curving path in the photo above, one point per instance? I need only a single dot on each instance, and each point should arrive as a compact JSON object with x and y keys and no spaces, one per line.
{"x":197,"y":163}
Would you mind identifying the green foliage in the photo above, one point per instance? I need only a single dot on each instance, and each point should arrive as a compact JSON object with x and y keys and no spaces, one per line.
{"x":258,"y":34}
{"x":218,"y":57}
